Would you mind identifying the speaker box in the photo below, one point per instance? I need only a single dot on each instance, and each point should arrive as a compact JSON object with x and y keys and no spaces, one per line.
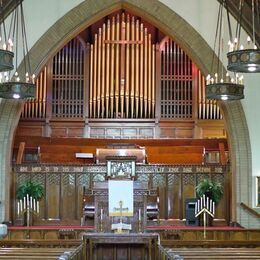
{"x":191,"y":220}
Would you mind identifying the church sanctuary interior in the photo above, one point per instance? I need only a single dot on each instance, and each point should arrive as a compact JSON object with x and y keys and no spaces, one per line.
{"x":129,"y":129}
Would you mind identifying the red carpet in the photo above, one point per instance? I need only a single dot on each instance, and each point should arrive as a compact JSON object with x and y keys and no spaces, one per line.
{"x":148,"y":227}
{"x":193,"y":227}
{"x":51,"y":227}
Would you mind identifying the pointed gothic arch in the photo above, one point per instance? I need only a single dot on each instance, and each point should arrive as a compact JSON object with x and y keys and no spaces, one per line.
{"x":193,"y":44}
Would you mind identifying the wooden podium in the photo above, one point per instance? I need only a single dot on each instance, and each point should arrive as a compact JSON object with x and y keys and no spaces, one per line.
{"x":120,"y":246}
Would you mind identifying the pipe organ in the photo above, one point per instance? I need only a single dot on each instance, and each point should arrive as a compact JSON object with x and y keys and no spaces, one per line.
{"x":122,"y":70}
{"x":36,"y":108}
{"x":176,"y":82}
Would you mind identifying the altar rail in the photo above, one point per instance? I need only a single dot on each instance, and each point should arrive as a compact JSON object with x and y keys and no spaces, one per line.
{"x":183,"y":236}
{"x":48,"y":233}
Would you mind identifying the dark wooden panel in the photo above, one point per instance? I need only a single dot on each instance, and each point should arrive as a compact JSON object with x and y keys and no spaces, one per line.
{"x":59,"y":132}
{"x":184,"y":133}
{"x":29,"y":131}
{"x":75,"y":132}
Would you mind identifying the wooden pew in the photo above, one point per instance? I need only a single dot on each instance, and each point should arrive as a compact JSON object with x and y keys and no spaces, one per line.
{"x":38,"y":249}
{"x":32,"y":253}
{"x":215,"y":253}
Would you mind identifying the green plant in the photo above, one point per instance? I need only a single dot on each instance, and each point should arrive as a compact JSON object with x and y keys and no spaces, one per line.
{"x":32,"y":189}
{"x":212,"y":189}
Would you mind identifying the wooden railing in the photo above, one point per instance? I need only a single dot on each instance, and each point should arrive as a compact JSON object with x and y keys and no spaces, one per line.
{"x":250,"y":210}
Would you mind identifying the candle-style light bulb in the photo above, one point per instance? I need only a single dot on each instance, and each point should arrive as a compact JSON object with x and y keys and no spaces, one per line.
{"x":10,"y":44}
{"x":248,"y":40}
{"x":241,"y":47}
{"x":241,"y":79}
{"x":235,"y":43}
{"x":229,"y":45}
{"x":208,"y":79}
{"x":216,"y":77}
{"x":236,"y":78}
{"x":33,"y":78}
{"x":27,"y":77}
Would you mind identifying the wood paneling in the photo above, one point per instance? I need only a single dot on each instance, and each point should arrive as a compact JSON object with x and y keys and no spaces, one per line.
{"x":29,"y":130}
{"x":209,"y":144}
{"x":64,"y":188}
{"x":121,"y":246}
{"x":175,"y":154}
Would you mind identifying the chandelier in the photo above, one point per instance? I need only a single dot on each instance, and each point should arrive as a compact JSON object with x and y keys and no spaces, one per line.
{"x":6,"y":54}
{"x":244,"y":58}
{"x":219,"y":84}
{"x":13,"y":85}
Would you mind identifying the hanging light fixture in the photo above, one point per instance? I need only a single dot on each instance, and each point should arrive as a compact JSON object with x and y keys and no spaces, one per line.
{"x":6,"y":54}
{"x":244,"y":58}
{"x":221,"y":85}
{"x":15,"y":87}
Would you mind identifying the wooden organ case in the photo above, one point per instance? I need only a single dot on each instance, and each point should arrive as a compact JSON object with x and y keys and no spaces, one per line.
{"x":120,"y":78}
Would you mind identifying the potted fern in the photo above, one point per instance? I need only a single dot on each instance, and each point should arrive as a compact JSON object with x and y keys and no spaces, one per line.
{"x":211,"y":189}
{"x":35,"y":190}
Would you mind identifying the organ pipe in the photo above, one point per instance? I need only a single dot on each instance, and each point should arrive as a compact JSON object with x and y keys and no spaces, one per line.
{"x":122,"y":70}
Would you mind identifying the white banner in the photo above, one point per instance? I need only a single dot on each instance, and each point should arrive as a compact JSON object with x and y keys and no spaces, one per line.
{"x":121,"y":198}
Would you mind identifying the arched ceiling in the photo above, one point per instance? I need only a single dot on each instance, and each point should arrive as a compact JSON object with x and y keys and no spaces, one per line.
{"x":233,"y":6}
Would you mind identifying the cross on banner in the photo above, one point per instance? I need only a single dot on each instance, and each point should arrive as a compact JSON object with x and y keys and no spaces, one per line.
{"x":121,"y":209}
